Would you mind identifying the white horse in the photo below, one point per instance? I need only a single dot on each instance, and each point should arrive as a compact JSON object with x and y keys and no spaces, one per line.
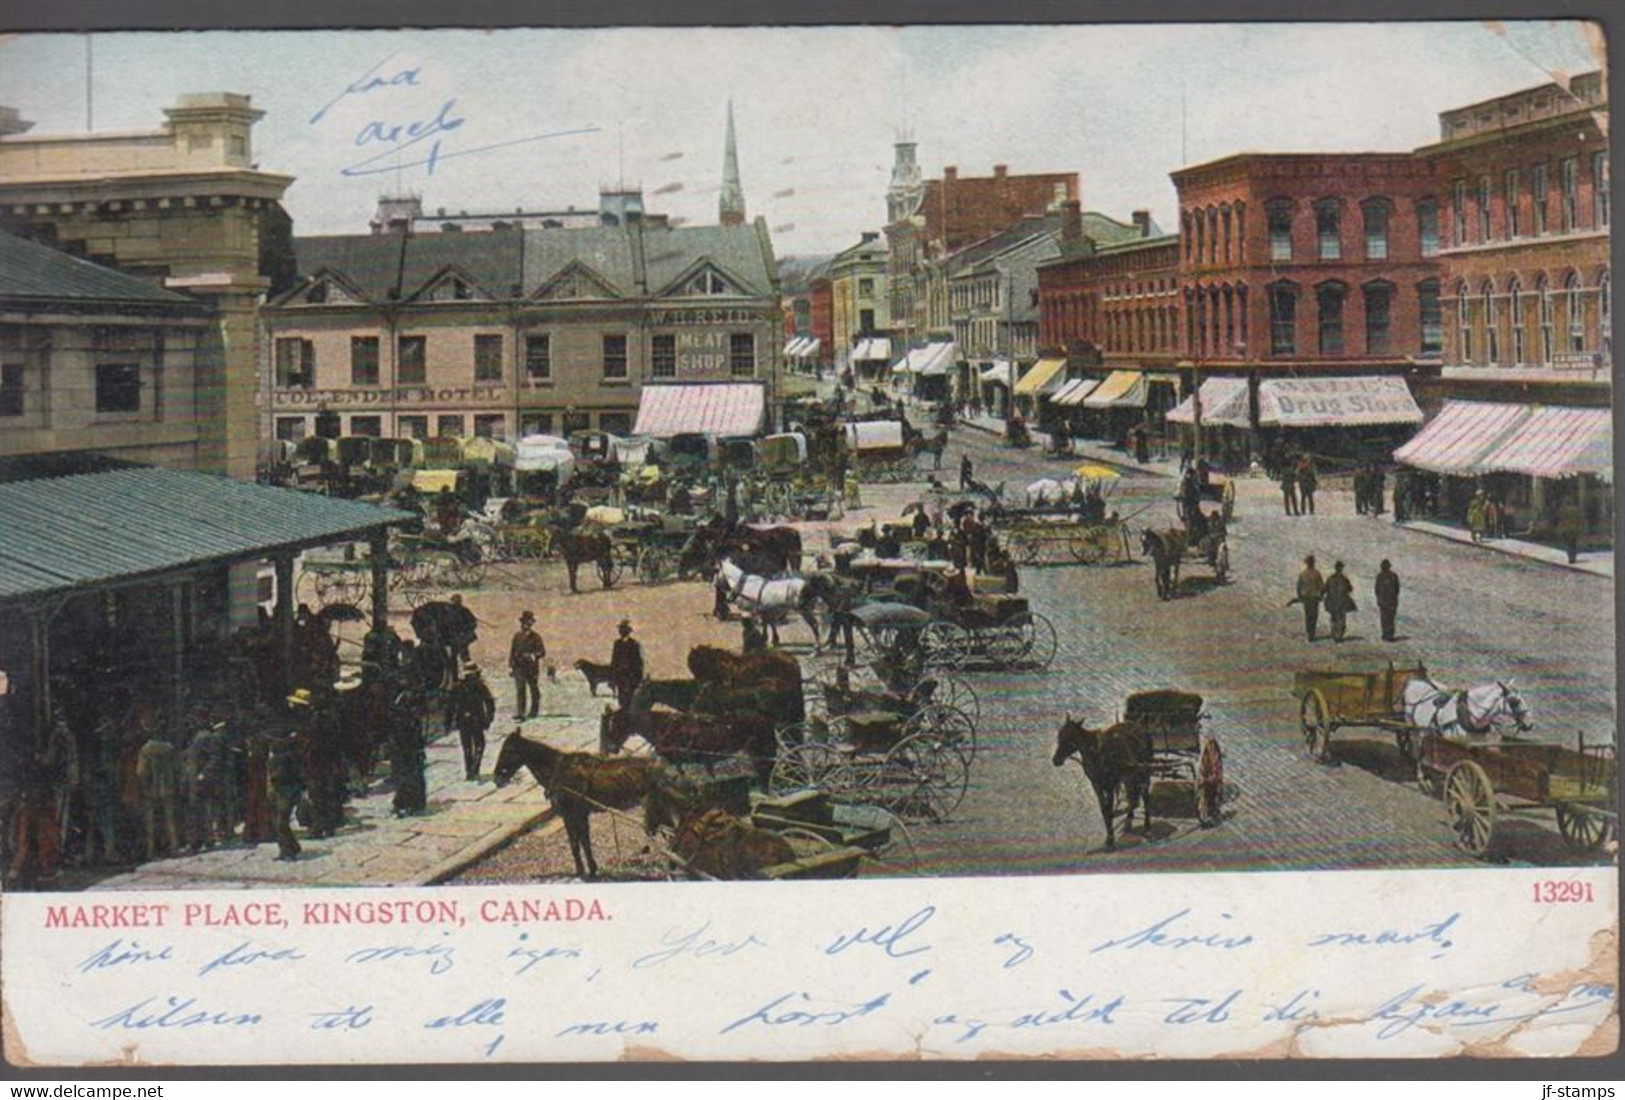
{"x":768,"y":599}
{"x":1460,"y":715}
{"x":1050,"y":490}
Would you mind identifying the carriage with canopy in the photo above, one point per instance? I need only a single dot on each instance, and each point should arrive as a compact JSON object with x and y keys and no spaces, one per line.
{"x":882,"y":450}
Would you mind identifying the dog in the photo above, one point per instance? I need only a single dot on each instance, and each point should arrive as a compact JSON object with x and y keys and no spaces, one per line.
{"x":595,"y":673}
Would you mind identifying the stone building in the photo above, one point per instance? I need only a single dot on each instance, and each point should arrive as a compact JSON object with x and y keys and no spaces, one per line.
{"x":860,"y":310}
{"x":185,"y":206}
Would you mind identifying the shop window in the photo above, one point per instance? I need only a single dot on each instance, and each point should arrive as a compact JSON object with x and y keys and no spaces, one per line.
{"x":363,"y":360}
{"x":576,"y":422}
{"x":491,"y":426}
{"x":295,"y":363}
{"x":1379,"y":298}
{"x":1430,"y":315}
{"x":1283,"y":320}
{"x":413,"y":366}
{"x":539,"y":358}
{"x":290,"y":428}
{"x":533,"y":423}
{"x":412,"y":427}
{"x":448,"y":426}
{"x":488,"y":357}
{"x":118,"y":388}
{"x":614,"y":357}
{"x":1329,"y":304}
{"x":663,"y":356}
{"x":615,"y":423}
{"x":371,"y":426}
{"x":11,"y":389}
{"x":742,"y":355}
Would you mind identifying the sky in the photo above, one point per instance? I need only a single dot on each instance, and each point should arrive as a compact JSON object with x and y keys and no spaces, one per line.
{"x":543,"y":118}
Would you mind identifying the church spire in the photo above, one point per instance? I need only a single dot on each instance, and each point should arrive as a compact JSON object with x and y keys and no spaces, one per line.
{"x":731,"y":203}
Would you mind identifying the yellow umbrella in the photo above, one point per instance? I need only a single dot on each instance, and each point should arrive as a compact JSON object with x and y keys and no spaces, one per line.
{"x":1094,"y":472}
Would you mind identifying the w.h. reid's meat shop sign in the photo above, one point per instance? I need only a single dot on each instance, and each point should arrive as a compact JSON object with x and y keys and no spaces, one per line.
{"x":462,"y":396}
{"x":1312,"y":402}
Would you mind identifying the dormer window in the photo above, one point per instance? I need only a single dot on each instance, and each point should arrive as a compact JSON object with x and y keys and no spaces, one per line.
{"x":317,"y":294}
{"x":708,"y":282}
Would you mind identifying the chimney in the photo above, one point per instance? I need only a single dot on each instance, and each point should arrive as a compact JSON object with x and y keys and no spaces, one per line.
{"x":1000,"y":171}
{"x":1071,"y":221}
{"x":951,"y":172}
{"x":867,"y":237}
{"x":1142,"y":221}
{"x":12,"y":122}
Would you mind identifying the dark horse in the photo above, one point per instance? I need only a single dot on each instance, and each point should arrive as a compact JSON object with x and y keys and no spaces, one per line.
{"x":765,"y":551}
{"x":583,"y":545}
{"x":578,"y":784}
{"x":1166,"y":549}
{"x":1116,"y":757}
{"x":681,"y":737}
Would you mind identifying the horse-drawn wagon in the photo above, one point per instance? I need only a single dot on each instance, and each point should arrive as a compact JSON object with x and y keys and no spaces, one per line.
{"x":1038,"y":536}
{"x":882,"y":450}
{"x":1373,"y":698}
{"x":997,"y":629}
{"x":1173,"y":547}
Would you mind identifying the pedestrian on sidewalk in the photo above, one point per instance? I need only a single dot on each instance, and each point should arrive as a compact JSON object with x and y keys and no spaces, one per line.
{"x":525,"y":655}
{"x":1339,"y":601}
{"x":625,"y":664}
{"x":1476,"y":517}
{"x":1387,"y":589}
{"x":1308,"y":482}
{"x":1311,"y":588}
{"x":1492,"y":517}
{"x":1569,"y":525}
{"x":1289,"y":489}
{"x":322,"y":749}
{"x":1362,"y":489}
{"x":472,"y":711}
{"x":966,"y":473}
{"x":1379,"y":489}
{"x":407,"y":759}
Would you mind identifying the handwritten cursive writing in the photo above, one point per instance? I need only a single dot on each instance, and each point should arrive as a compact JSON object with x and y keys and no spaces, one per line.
{"x":369,"y":81}
{"x":887,"y":937}
{"x":696,"y":944}
{"x":486,"y":1013}
{"x":349,"y":1018}
{"x":1161,"y":934}
{"x":1432,"y":933}
{"x":440,"y":955}
{"x":117,"y":954}
{"x":173,"y":1013}
{"x":769,"y":1016}
{"x":241,"y":955}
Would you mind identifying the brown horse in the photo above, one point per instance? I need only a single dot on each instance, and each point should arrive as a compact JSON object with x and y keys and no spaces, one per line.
{"x":712,"y":842}
{"x":585,"y":545}
{"x":681,"y":737}
{"x":578,"y":784}
{"x":1166,"y":550}
{"x":1116,"y":757}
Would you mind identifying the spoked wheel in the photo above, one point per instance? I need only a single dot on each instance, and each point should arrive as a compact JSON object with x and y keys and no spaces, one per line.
{"x":1025,"y":549}
{"x":898,"y":851}
{"x":610,"y":569}
{"x":1317,"y":727}
{"x":1582,"y":830}
{"x":1470,"y":800}
{"x":1091,"y":545}
{"x":920,"y":780}
{"x":463,"y":573}
{"x":654,"y":565}
{"x":1005,"y":646}
{"x":1038,"y":641}
{"x":940,"y":723}
{"x":1210,"y":783}
{"x":814,"y":764}
{"x":946,"y":644}
{"x":945,"y":687}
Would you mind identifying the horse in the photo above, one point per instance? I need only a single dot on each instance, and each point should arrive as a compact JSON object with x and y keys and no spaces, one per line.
{"x":681,"y":737}
{"x":1116,"y":757}
{"x":838,"y":597}
{"x":583,"y":545}
{"x":578,"y":784}
{"x":771,"y":601}
{"x":1166,"y":549}
{"x":770,"y":550}
{"x":1457,"y":715}
{"x":712,"y":842}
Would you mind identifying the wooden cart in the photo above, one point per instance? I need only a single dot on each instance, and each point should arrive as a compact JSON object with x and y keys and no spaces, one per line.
{"x":1179,"y":749}
{"x":1333,"y":699}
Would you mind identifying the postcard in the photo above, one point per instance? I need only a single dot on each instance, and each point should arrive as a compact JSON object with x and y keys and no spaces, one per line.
{"x":927,"y":542}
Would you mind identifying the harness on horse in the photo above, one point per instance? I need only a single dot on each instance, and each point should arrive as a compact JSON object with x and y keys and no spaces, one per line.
{"x":1464,"y":716}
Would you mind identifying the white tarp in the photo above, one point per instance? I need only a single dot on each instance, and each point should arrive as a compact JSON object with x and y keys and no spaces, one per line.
{"x":874,"y":435}
{"x":1322,"y":402}
{"x":722,"y":409}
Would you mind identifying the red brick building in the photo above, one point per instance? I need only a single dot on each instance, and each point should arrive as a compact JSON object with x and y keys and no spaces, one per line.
{"x":822,"y":300}
{"x":1524,"y":245}
{"x":1115,"y":287}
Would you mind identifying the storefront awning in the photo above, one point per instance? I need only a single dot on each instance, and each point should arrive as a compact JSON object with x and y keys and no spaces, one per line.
{"x":704,"y":408}
{"x":874,"y":435}
{"x":111,"y":526}
{"x":1000,"y":373}
{"x":1039,"y":376}
{"x":874,"y":348}
{"x":1558,"y":441}
{"x":1345,"y":402}
{"x":1071,"y":395}
{"x":1224,"y":403}
{"x":1458,"y":439}
{"x":1122,"y":389}
{"x":930,"y":359}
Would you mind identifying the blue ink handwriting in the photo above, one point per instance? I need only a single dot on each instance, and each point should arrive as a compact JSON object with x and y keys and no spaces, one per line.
{"x":439,"y":955}
{"x":116,"y":954}
{"x":887,"y":937}
{"x":345,"y":1019}
{"x":1161,"y":934}
{"x":833,"y":1017}
{"x":173,"y":1013}
{"x":676,"y":943}
{"x":242,"y":956}
{"x":1296,"y":1008}
{"x":1022,"y":950}
{"x":1200,"y":1010}
{"x":368,"y":82}
{"x":1078,"y":1010}
{"x":534,"y":955}
{"x":486,"y":1013}
{"x":617,"y":1027}
{"x":1429,"y":933}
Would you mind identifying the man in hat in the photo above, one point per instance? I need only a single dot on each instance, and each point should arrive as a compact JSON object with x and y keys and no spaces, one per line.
{"x":472,"y":710}
{"x":288,"y":777}
{"x":525,"y":655}
{"x":1339,"y":601}
{"x":1311,"y":588}
{"x":1387,"y":588}
{"x":625,"y":665}
{"x":407,"y":759}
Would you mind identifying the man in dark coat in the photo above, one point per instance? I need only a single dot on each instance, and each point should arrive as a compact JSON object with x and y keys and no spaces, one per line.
{"x":625,"y":665}
{"x":1308,"y":482}
{"x":525,"y":654}
{"x":287,"y":776}
{"x":407,"y":759}
{"x":966,"y":473}
{"x":461,"y":627}
{"x":1387,"y":589}
{"x":1339,"y":601}
{"x":322,"y":757}
{"x":472,"y":711}
{"x":1289,"y":488}
{"x":1311,"y":588}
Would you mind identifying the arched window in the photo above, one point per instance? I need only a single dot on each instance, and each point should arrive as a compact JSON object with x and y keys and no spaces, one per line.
{"x":1190,"y":324}
{"x":1576,"y":312}
{"x":1185,"y":232}
{"x":1492,"y":334}
{"x":1464,"y":324}
{"x":1520,"y":350}
{"x":1213,"y":234}
{"x":1379,"y":299}
{"x":1543,"y":304}
{"x":1201,"y":223}
{"x":1241,"y":232}
{"x":1283,"y":319}
{"x":1241,"y":308}
{"x":1229,"y":345}
{"x":1200,"y":351}
{"x":1279,"y":212}
{"x":1224,"y":218}
{"x":1329,"y":303}
{"x":1374,"y":213}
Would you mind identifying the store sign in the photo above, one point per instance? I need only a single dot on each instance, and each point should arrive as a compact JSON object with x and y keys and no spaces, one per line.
{"x":663,"y":318}
{"x":462,"y":396}
{"x":702,"y":354}
{"x":1579,"y":360}
{"x":1307,"y":402}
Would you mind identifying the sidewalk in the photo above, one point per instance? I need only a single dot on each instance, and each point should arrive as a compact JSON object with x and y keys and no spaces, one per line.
{"x":464,"y":821}
{"x":1598,"y":563}
{"x":1084,"y":450}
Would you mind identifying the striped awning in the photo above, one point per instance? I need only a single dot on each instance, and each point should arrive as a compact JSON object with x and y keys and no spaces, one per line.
{"x":1001,"y":372}
{"x":1041,"y":375}
{"x":930,"y":359}
{"x":877,"y":347}
{"x":1072,"y":394}
{"x":1324,"y":402}
{"x":1224,"y":402}
{"x":709,"y":408}
{"x":1122,"y":389}
{"x":1558,"y":441}
{"x":1456,"y":441}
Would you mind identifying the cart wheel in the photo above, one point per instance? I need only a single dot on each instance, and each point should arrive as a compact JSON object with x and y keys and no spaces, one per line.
{"x":942,"y":724}
{"x":1005,"y":646}
{"x":1317,"y":726}
{"x":945,"y":687}
{"x":898,"y":851}
{"x":1582,"y":830}
{"x":465,"y":574}
{"x":1221,"y":562}
{"x":653,"y":565}
{"x":1210,"y":783}
{"x":1025,"y":549}
{"x":1091,"y":546}
{"x":1038,"y":635}
{"x":1427,"y":779}
{"x":1470,"y":799}
{"x":921,"y":781}
{"x":1405,"y":741}
{"x":610,"y":569}
{"x":813,"y":764}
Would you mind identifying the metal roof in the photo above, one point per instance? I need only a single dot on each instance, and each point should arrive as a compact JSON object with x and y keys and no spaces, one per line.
{"x":96,"y":528}
{"x":36,"y":272}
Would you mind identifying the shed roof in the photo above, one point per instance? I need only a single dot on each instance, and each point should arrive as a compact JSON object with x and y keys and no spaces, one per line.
{"x":34,"y":271}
